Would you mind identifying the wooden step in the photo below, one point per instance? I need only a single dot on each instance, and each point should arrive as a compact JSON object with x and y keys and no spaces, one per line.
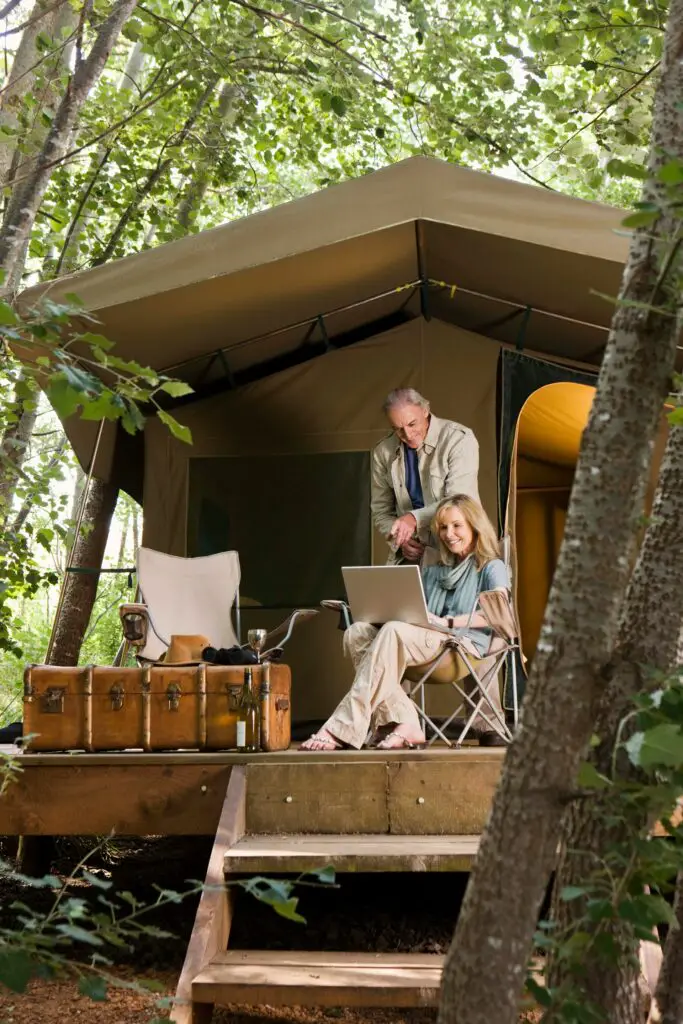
{"x":271,"y":854}
{"x":320,"y":979}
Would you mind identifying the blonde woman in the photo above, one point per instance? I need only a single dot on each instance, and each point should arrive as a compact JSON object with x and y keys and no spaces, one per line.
{"x":376,"y":702}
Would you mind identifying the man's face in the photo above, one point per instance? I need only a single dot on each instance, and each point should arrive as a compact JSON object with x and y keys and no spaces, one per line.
{"x":410,"y":424}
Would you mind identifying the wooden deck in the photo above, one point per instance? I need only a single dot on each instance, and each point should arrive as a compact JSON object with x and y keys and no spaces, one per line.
{"x":437,"y":791}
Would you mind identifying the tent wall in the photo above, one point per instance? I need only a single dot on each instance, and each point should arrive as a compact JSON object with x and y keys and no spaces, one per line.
{"x":331,"y":405}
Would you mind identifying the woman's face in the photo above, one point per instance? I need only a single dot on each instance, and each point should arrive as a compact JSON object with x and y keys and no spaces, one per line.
{"x":455,"y":532}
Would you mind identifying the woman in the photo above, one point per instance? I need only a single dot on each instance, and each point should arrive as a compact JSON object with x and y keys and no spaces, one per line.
{"x":469,"y":564}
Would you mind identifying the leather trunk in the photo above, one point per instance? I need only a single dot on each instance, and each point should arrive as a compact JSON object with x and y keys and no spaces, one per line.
{"x":162,"y":707}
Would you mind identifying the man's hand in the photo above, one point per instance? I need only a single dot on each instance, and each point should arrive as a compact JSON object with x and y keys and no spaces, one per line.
{"x":412,"y":550}
{"x":403,"y":529}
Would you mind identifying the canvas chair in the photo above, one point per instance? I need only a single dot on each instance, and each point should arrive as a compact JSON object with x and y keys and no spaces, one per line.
{"x":471,"y":678}
{"x":192,"y":596}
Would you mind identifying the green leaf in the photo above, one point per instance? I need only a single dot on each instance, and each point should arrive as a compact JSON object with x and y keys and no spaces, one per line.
{"x":176,"y":388}
{"x":63,"y":397}
{"x":504,"y":81}
{"x":7,"y":314}
{"x":538,"y":992}
{"x":640,"y":219}
{"x":95,"y":880}
{"x":72,"y":931}
{"x":590,"y":778}
{"x":646,"y":910}
{"x":287,"y":908}
{"x":326,"y":875}
{"x":671,"y":173}
{"x":93,"y":987}
{"x":16,"y":970}
{"x":338,"y":105}
{"x":572,"y":892}
{"x":107,"y":406}
{"x":179,"y":431}
{"x":662,"y":745}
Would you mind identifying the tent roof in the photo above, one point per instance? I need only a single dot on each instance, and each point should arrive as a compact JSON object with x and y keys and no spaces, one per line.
{"x":253,"y":288}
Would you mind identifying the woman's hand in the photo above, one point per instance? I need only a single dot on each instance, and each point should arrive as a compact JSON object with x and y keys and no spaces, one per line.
{"x":436,"y":620}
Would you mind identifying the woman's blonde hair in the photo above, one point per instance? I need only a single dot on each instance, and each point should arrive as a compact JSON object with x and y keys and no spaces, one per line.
{"x":486,"y":544}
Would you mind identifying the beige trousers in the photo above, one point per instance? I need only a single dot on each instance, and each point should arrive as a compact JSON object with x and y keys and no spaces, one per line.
{"x":376,"y":698}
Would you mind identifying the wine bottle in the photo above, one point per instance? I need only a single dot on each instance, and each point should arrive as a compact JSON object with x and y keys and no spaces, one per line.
{"x":248,"y":716}
{"x":265,"y":704}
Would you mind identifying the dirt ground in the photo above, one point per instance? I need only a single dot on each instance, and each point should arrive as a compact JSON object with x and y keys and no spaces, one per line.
{"x":385,"y":913}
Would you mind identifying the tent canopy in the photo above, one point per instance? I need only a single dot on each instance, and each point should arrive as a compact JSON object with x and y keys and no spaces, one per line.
{"x":421,"y":237}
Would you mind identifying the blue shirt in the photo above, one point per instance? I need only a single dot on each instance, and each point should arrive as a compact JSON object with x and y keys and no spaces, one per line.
{"x":413,"y":482}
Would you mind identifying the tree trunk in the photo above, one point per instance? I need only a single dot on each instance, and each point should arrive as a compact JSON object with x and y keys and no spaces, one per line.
{"x":80,"y":589}
{"x":198,"y":184}
{"x":44,"y":482}
{"x":44,"y":20}
{"x":155,"y":175}
{"x":648,"y":639}
{"x":498,"y":918}
{"x":68,"y":258}
{"x":28,"y":194}
{"x":667,"y":1005}
{"x":13,"y":451}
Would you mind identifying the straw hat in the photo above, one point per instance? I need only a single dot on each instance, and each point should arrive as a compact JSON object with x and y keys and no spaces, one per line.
{"x":185,"y":650}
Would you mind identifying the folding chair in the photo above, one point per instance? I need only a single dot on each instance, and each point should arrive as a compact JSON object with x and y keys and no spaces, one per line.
{"x":191,"y":596}
{"x":472,"y":678}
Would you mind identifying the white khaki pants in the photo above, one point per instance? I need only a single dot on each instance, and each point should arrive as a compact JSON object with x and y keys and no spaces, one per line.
{"x":376,"y":697}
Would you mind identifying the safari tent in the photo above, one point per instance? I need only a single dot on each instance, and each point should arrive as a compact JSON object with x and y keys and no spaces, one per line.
{"x":291,"y":326}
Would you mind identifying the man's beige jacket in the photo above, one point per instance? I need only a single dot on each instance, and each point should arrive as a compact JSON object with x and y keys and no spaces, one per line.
{"x":448,"y":460}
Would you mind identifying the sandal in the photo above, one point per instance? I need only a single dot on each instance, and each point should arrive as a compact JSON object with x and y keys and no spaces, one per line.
{"x":397,"y":741}
{"x":326,"y":743}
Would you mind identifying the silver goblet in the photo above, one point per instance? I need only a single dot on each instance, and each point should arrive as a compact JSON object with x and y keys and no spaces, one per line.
{"x":256,"y":639}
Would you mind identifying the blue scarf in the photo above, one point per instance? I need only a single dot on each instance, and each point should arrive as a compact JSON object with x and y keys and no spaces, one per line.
{"x":452,"y":589}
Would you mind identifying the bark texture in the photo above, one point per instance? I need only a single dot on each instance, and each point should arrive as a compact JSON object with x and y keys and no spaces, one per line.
{"x":28,"y":193}
{"x":49,"y":20}
{"x":497,"y":921}
{"x":13,"y":452}
{"x":81,"y":588}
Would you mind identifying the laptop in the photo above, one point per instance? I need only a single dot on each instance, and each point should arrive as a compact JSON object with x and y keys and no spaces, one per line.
{"x":383,"y":593}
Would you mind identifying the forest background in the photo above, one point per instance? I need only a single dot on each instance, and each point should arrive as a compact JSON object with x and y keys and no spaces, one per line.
{"x":202,"y":111}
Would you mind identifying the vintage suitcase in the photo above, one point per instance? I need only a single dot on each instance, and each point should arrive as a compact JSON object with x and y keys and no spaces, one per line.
{"x":162,"y":707}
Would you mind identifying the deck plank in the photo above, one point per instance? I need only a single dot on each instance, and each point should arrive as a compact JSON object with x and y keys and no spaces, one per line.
{"x":321,"y":979}
{"x":295,"y":853}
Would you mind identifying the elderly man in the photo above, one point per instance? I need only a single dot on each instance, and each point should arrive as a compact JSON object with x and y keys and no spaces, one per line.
{"x":423,"y":460}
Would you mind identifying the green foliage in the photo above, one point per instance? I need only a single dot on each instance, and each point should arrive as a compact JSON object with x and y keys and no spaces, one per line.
{"x":622,"y":897}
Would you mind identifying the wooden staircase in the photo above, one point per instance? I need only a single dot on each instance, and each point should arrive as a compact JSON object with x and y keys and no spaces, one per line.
{"x":417,"y":813}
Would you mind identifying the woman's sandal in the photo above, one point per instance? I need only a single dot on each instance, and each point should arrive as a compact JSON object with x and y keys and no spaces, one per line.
{"x":327,"y":743}
{"x":397,"y":741}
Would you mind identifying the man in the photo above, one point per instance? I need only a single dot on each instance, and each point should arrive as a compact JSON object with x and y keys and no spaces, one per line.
{"x":423,"y":460}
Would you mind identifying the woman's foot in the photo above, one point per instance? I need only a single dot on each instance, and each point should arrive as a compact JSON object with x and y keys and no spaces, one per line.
{"x":322,"y":740}
{"x":398,"y":740}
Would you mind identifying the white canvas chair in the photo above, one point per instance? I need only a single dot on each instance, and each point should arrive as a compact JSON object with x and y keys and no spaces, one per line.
{"x":472,"y":679}
{"x":196,"y":596}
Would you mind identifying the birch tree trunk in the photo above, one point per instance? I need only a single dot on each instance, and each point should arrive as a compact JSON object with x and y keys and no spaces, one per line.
{"x":485,"y":968}
{"x":68,"y":258}
{"x":648,"y":639}
{"x":81,"y":588}
{"x":13,"y":451}
{"x":28,"y":194}
{"x":28,"y":63}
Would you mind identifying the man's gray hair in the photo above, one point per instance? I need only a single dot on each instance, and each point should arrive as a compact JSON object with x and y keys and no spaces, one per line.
{"x":404,"y":396}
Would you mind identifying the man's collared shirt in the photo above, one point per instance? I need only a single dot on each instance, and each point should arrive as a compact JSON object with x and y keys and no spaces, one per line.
{"x":413,"y":482}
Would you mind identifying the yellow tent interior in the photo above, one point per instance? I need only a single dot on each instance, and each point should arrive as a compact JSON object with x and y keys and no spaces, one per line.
{"x":292,"y":325}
